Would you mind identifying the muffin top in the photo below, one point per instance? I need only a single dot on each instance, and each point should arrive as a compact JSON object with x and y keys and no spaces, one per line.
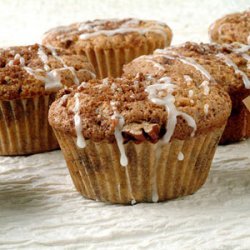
{"x":27,"y":71}
{"x":231,"y":28}
{"x":140,"y":108}
{"x":227,"y":65}
{"x":105,"y":34}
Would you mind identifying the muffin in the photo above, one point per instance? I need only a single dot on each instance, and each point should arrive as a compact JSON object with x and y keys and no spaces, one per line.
{"x":30,"y":77}
{"x":231,"y":28}
{"x":228,"y":65}
{"x":140,"y":139}
{"x":109,"y":44}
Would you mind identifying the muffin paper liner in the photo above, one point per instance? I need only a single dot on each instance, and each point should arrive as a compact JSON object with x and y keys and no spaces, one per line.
{"x":237,"y":128}
{"x":24,"y":127}
{"x":109,"y":62}
{"x":154,"y":172}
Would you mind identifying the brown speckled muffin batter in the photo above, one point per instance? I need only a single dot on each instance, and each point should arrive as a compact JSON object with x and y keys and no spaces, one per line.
{"x":28,"y":71}
{"x":109,"y":44}
{"x":133,"y":104}
{"x":231,"y":28}
{"x":141,"y":138}
{"x":30,"y":77}
{"x":228,"y":65}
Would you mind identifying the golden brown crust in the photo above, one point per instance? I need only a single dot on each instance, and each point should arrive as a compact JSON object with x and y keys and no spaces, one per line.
{"x":208,"y":55}
{"x":158,"y":65}
{"x":106,"y":34}
{"x":144,"y":120}
{"x":225,"y":75}
{"x":231,"y":28}
{"x":28,"y":71}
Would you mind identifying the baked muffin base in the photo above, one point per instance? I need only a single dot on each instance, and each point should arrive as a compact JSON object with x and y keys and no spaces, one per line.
{"x":24,"y":127}
{"x":156,"y":172}
{"x":109,"y":62}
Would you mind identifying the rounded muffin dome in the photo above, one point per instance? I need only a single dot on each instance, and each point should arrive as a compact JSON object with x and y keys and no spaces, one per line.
{"x":107,"y":33}
{"x":28,"y":71}
{"x":144,"y":137}
{"x":110,"y":43}
{"x":148,"y":108}
{"x":227,"y":65}
{"x":231,"y":28}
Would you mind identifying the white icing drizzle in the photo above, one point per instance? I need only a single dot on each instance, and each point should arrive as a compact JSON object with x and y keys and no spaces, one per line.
{"x":230,"y":63}
{"x":158,"y":151}
{"x":197,"y":66}
{"x":118,"y":134}
{"x":187,"y":60}
{"x":131,"y":25}
{"x":86,"y":36}
{"x":133,"y":202}
{"x":82,"y":85}
{"x":93,"y":25}
{"x":205,"y":86}
{"x":63,"y":99}
{"x":154,"y":91}
{"x":187,"y":79}
{"x":206,"y":107}
{"x":113,"y":86}
{"x":210,"y":31}
{"x":44,"y":58}
{"x":105,"y":81}
{"x":22,"y":61}
{"x":10,"y":63}
{"x":93,"y":75}
{"x":52,"y":79}
{"x":180,"y":156}
{"x":80,"y":141}
{"x":150,"y":59}
{"x":16,"y":58}
{"x":71,"y":69}
{"x":155,"y":64}
{"x":247,"y":58}
{"x":190,"y":93}
{"x":243,"y":48}
{"x":221,"y":27}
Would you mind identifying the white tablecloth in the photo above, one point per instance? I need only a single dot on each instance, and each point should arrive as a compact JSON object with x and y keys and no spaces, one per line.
{"x":39,"y":207}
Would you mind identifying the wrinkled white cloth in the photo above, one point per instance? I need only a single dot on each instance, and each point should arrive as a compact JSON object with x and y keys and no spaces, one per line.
{"x":39,"y":207}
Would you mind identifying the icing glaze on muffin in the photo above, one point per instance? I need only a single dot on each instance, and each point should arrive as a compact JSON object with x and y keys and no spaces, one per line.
{"x":27,"y":71}
{"x":140,"y":108}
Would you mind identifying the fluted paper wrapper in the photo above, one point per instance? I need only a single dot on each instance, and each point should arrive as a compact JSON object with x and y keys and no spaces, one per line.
{"x":237,"y":128}
{"x":109,"y":62}
{"x":24,"y":127}
{"x":154,"y":172}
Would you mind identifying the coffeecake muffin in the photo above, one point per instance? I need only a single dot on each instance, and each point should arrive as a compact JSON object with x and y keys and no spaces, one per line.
{"x":228,"y":65}
{"x":140,"y":139}
{"x":231,"y":28}
{"x":109,"y":44}
{"x":30,"y":77}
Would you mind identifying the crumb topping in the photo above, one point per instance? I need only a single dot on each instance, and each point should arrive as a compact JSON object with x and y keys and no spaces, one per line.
{"x":26,"y":71}
{"x":112,"y":33}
